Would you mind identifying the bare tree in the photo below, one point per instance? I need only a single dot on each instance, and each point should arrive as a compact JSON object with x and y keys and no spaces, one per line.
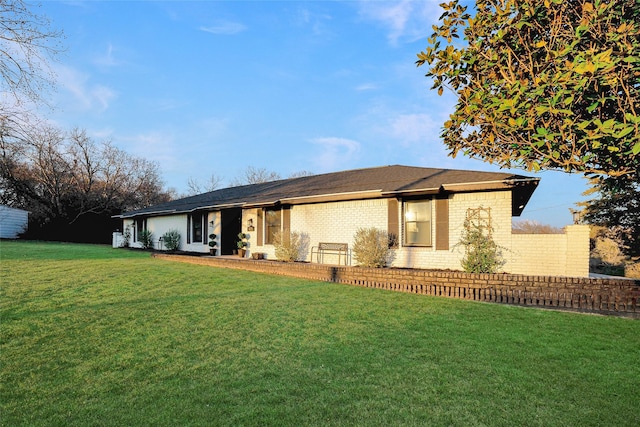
{"x":301,"y":173}
{"x":253,"y":175}
{"x":196,"y":187}
{"x":70,"y":182}
{"x":528,"y":226}
{"x":27,"y":43}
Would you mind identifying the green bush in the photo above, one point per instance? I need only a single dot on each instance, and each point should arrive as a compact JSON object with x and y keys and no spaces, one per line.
{"x":126,"y":238}
{"x":482,"y":254}
{"x":146,"y":239}
{"x":371,"y":247}
{"x":171,"y":240}
{"x":287,"y":245}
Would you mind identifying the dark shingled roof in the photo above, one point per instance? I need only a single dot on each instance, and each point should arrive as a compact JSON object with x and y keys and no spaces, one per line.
{"x":370,"y":183}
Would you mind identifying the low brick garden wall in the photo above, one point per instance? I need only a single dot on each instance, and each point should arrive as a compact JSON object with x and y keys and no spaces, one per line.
{"x":604,"y":296}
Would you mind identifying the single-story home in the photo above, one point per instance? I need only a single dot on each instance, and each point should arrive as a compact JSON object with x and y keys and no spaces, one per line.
{"x":13,"y":222}
{"x":423,"y":208}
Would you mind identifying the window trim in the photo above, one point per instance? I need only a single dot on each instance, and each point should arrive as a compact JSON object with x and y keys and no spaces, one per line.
{"x":405,"y":222}
{"x":139,"y":226}
{"x":191,"y":224}
{"x":268,"y":238}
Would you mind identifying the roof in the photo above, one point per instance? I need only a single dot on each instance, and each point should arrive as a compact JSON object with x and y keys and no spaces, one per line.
{"x":370,"y":183}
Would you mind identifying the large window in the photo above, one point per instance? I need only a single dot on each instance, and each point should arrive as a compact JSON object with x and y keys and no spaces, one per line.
{"x":272,"y":221}
{"x":417,"y":223}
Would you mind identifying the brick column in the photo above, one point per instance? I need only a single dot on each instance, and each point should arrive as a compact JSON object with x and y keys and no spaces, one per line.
{"x":577,"y":250}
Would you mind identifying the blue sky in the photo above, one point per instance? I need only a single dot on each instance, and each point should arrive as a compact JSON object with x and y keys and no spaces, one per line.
{"x":212,"y":87}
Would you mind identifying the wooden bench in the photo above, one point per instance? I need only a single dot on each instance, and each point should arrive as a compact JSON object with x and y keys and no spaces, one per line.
{"x":340,"y":249}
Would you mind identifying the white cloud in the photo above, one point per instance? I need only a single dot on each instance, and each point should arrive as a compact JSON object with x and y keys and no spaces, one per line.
{"x":154,"y":146}
{"x":413,"y":128}
{"x":366,"y":86}
{"x":317,"y":22}
{"x":87,"y":95}
{"x":406,"y":19}
{"x":224,"y":28}
{"x":335,"y":153}
{"x":106,"y":58}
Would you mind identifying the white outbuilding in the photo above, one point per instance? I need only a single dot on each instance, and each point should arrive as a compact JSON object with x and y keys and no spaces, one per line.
{"x":12,"y":222}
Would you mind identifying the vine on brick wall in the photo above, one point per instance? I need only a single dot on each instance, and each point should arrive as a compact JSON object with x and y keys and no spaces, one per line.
{"x":481,"y":253}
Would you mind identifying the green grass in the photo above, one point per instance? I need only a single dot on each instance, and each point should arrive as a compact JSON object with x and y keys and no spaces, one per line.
{"x":94,"y":336}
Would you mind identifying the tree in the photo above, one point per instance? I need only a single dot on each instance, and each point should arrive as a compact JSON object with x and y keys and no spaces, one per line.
{"x":253,"y":175}
{"x":27,"y":43}
{"x":542,"y":84}
{"x":617,"y":208}
{"x":196,"y":187}
{"x":533,"y":227}
{"x":301,"y":174}
{"x":71,"y":184}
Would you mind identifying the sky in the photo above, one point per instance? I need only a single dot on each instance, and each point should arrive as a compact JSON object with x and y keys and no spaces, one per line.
{"x":212,"y":87}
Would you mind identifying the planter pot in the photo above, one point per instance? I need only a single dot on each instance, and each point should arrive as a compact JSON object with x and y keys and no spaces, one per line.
{"x":257,"y":255}
{"x":213,"y":252}
{"x":242,"y":252}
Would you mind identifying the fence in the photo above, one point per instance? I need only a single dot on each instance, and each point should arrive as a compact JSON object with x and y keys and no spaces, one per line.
{"x":604,"y":296}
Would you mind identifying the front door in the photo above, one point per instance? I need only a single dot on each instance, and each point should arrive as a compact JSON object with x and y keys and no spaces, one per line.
{"x":230,"y":228}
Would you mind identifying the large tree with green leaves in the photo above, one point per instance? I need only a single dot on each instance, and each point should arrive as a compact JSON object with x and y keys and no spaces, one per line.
{"x":616,"y":206}
{"x":542,"y":84}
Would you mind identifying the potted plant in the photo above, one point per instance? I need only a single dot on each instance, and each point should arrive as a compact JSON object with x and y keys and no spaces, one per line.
{"x":242,"y":244}
{"x":212,"y":244}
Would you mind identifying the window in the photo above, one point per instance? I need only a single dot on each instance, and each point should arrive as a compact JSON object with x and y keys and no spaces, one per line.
{"x":196,"y":227}
{"x":140,"y":225}
{"x":272,"y":221}
{"x":417,"y":223}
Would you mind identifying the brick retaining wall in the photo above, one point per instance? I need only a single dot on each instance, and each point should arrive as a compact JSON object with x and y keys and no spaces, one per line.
{"x":604,"y":296}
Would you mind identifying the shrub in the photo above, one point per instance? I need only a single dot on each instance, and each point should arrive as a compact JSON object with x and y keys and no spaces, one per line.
{"x":481,"y":253}
{"x":287,"y":245}
{"x":146,"y":238}
{"x":241,"y":243}
{"x":171,"y":240}
{"x":632,"y":270}
{"x":371,"y":247}
{"x":607,"y":251}
{"x":126,"y":238}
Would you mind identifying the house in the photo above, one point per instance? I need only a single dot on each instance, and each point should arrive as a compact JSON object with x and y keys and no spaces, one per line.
{"x":423,"y":208}
{"x":13,"y":222}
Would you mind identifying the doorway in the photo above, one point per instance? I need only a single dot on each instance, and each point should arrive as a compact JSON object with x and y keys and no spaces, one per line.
{"x":231,"y":223}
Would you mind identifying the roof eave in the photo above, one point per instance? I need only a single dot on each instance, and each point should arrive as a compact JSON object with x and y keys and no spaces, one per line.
{"x":134,"y":214}
{"x":331,"y":197}
{"x":411,"y":193}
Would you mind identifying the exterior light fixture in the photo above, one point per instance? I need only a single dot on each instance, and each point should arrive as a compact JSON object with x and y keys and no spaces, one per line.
{"x":577,"y":216}
{"x":250,"y":226}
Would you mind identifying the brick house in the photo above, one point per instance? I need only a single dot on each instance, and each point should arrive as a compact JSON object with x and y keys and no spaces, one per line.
{"x":425,"y":208}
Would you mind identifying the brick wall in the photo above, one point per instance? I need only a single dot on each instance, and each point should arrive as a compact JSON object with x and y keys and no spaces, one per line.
{"x":605,"y":296}
{"x":338,"y":221}
{"x":428,"y":257}
{"x":564,"y":254}
{"x":329,"y":222}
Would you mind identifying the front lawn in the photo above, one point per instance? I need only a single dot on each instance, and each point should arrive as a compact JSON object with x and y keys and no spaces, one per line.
{"x":91,"y":335}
